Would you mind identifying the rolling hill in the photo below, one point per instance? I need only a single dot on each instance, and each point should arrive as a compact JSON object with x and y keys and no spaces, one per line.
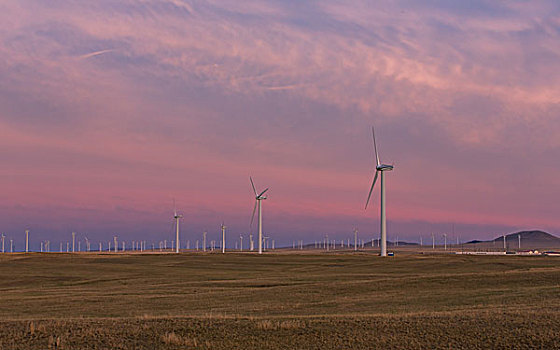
{"x":534,"y":239}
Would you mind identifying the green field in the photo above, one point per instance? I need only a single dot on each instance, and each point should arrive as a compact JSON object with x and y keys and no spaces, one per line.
{"x":278,"y":301}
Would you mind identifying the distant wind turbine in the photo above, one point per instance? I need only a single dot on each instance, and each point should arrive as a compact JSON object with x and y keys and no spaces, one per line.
{"x":204,"y":241}
{"x":177,"y":217}
{"x":380,"y":168}
{"x":258,"y":198}
{"x":223,"y":238}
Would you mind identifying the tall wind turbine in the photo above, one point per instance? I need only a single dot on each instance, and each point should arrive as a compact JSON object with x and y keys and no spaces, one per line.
{"x":380,"y":168}
{"x":177,"y":217}
{"x":258,"y":198}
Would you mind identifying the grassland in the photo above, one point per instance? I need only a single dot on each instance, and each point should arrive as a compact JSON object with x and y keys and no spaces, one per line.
{"x":278,"y":301}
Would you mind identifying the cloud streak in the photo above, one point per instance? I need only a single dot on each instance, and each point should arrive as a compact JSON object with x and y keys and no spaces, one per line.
{"x":96,"y":53}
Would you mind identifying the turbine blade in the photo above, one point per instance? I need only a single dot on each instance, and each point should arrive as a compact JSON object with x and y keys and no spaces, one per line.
{"x":262,"y":193}
{"x":253,"y":185}
{"x":253,"y":216}
{"x":371,"y":189}
{"x":375,"y":147}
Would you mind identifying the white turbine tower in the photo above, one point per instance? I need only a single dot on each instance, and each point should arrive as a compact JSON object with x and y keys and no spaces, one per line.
{"x":223,"y":238}
{"x":177,"y":217}
{"x":380,"y":168}
{"x":258,"y":198}
{"x":204,"y":241}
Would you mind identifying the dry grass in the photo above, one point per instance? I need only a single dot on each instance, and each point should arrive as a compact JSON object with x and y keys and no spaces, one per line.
{"x":276,"y":325}
{"x":483,"y":330}
{"x":353,"y":301}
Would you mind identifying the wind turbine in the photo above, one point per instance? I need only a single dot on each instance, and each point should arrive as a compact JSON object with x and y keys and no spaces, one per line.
{"x":258,"y":198}
{"x":433,"y":242}
{"x":355,"y":239}
{"x":177,"y":217}
{"x":380,"y":168}
{"x":204,"y":241}
{"x":223,"y":238}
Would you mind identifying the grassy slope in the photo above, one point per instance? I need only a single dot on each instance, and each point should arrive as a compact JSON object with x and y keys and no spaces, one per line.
{"x":278,"y":301}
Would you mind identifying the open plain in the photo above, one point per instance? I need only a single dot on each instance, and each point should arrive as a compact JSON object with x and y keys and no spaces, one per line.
{"x":278,"y":301}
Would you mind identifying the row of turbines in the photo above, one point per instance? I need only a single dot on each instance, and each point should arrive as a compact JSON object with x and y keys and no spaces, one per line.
{"x":326,"y":243}
{"x":114,"y":245}
{"x":267,"y":243}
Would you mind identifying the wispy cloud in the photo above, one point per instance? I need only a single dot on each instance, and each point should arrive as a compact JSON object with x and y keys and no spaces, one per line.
{"x":96,"y":53}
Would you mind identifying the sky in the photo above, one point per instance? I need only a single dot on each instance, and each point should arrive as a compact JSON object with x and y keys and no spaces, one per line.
{"x":112,"y":109}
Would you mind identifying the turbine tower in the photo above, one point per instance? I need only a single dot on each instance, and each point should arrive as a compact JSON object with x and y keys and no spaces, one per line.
{"x":176,"y":217}
{"x":223,"y":238}
{"x":380,"y":168}
{"x":258,"y":198}
{"x":204,"y":241}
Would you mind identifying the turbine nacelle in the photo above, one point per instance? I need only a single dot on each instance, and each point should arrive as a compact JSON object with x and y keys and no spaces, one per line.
{"x":384,"y":167}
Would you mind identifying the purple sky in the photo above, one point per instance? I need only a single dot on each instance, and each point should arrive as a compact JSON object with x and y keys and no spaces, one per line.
{"x":110,"y":109}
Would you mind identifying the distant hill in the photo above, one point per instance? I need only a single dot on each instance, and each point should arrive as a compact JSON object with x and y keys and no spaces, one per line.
{"x":534,"y":239}
{"x":529,"y":240}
